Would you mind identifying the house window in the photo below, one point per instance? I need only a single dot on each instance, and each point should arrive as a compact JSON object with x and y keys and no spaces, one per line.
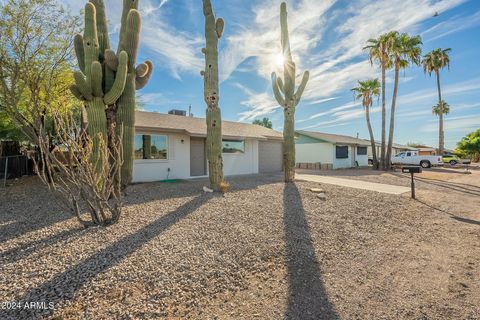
{"x":362,"y":151}
{"x":342,"y":152}
{"x":152,"y":147}
{"x":233,"y":146}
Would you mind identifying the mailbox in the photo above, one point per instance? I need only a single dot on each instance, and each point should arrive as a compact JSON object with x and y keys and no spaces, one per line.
{"x":412,"y":169}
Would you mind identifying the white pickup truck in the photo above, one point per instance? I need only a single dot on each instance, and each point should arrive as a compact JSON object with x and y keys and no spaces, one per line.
{"x":412,"y":158}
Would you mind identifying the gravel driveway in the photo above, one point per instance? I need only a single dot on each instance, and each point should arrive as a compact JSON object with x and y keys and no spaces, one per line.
{"x":265,"y":250}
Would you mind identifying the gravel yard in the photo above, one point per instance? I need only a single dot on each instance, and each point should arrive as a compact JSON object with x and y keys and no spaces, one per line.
{"x":265,"y":250}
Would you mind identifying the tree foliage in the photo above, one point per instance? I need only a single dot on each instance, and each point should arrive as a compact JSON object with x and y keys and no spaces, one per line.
{"x":35,"y":54}
{"x":265,"y":122}
{"x":470,"y":145}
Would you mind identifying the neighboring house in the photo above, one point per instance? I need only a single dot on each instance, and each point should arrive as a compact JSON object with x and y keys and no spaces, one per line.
{"x":425,"y":150}
{"x":396,"y":149}
{"x":173,"y":147}
{"x":336,"y":151}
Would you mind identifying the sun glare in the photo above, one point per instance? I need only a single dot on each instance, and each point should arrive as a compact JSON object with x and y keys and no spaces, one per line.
{"x":279,"y":60}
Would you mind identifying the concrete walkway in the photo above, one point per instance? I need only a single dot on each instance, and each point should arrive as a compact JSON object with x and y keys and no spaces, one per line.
{"x":357,"y":184}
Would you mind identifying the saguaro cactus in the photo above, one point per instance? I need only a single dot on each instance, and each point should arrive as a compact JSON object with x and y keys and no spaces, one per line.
{"x":90,"y":78}
{"x":284,"y":91}
{"x":213,"y":32}
{"x":118,"y":113}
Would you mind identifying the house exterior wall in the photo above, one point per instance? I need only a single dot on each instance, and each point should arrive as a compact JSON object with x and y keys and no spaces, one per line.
{"x":242,"y":163}
{"x":178,"y":161}
{"x":362,"y":160}
{"x":322,"y":152}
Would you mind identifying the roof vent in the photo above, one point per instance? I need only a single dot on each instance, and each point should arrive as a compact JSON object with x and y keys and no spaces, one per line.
{"x":178,"y":112}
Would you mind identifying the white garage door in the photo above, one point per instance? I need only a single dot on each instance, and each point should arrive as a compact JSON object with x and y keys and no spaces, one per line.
{"x":270,"y":156}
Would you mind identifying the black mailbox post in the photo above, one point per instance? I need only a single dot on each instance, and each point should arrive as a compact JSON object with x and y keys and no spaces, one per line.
{"x":412,"y":170}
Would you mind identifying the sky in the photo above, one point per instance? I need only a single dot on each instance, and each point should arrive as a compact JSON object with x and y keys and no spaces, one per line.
{"x":327,"y":37}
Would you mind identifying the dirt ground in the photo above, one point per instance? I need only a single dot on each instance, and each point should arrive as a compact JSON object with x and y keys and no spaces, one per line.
{"x":265,"y":250}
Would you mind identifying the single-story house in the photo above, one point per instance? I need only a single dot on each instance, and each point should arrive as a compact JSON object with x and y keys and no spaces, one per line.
{"x":336,"y":151}
{"x":396,"y":149}
{"x":172,"y":146}
{"x":426,"y":150}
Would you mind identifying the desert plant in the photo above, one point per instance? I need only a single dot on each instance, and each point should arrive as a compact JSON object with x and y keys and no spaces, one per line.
{"x":91,"y":81}
{"x":284,"y":91}
{"x":118,"y":105}
{"x":213,"y":32}
{"x":435,"y":61}
{"x":366,"y":91}
{"x":404,"y":50}
{"x":224,"y":186}
{"x":91,"y":191}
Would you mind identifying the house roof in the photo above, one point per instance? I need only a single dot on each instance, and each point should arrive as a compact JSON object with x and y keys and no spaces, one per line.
{"x":334,"y":138}
{"x":197,"y":127}
{"x":397,"y":146}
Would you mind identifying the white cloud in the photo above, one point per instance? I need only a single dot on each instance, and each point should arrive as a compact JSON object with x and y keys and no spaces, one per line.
{"x":171,"y":48}
{"x":461,"y":124}
{"x":333,"y":67}
{"x":453,"y":25}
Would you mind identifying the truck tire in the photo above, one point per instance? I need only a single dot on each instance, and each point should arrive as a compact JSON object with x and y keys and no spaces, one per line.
{"x":453,"y":162}
{"x":425,"y":164}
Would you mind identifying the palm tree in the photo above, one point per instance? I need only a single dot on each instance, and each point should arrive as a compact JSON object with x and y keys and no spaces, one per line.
{"x":366,"y":91}
{"x":441,"y":108}
{"x":403,"y":50}
{"x":435,"y":61}
{"x":378,"y":51}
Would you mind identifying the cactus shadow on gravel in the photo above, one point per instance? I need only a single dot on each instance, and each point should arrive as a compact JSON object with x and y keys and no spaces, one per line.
{"x":63,"y":286}
{"x":307,"y":297}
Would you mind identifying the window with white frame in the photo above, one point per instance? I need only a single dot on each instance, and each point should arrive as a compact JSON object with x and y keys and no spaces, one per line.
{"x":151,"y":147}
{"x":233,"y":146}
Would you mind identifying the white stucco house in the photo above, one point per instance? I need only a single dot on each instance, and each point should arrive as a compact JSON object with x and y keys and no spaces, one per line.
{"x":336,"y":151}
{"x":169,"y":146}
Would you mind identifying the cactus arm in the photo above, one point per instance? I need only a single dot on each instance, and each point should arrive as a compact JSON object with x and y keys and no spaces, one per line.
{"x":82,"y":85}
{"x":285,"y":40}
{"x":76,"y":92}
{"x":97,"y":77}
{"x":141,"y":70}
{"x":276,"y":90}
{"x":219,"y":27}
{"x":119,"y":85}
{"x":90,"y":40}
{"x":127,"y":6}
{"x":131,"y":37}
{"x":301,"y":87}
{"x":140,"y":83}
{"x":280,"y":85}
{"x":79,"y":51}
{"x":111,"y":59}
{"x":102,"y":26}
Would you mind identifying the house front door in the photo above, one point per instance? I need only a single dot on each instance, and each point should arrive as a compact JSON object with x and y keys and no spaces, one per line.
{"x":198,"y":161}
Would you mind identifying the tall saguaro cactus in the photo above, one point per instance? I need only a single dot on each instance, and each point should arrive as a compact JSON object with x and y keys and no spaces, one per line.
{"x":90,"y":78}
{"x":284,"y":91}
{"x":213,"y":32}
{"x":116,"y":113}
